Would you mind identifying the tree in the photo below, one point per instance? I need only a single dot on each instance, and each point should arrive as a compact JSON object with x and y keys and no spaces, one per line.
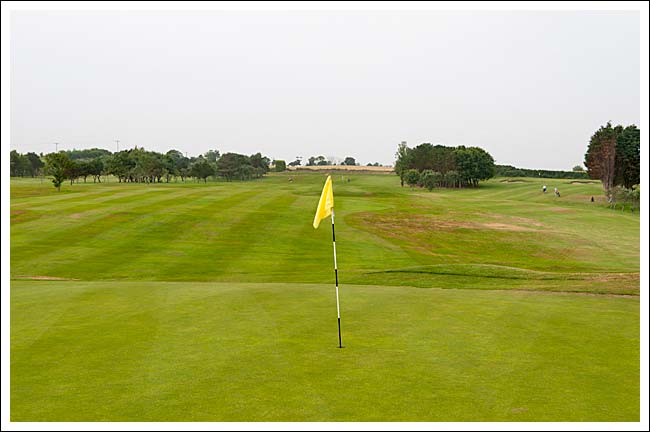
{"x":230,"y":166}
{"x":628,"y":157}
{"x":403,"y":162}
{"x":600,"y":158}
{"x":19,"y":165}
{"x":422,"y":157}
{"x":84,"y":168}
{"x":96,"y":168}
{"x":177,"y":164}
{"x":87,"y":153}
{"x":74,"y":170}
{"x":212,"y":155}
{"x":35,"y":163}
{"x":577,"y":168}
{"x":280,"y":165}
{"x":259,"y":163}
{"x":121,"y":165}
{"x":58,"y":166}
{"x":349,"y":161}
{"x":202,"y":169}
{"x":297,"y":162}
{"x":473,"y":165}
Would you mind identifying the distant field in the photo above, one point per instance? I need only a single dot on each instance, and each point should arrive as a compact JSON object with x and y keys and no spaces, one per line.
{"x":215,"y":302}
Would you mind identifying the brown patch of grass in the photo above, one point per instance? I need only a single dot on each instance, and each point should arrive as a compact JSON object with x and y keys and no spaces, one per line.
{"x":19,"y":216}
{"x":391,"y":224}
{"x":561,"y":210}
{"x":512,"y":220}
{"x":519,"y":410}
{"x":507,"y":227}
{"x":615,"y":277}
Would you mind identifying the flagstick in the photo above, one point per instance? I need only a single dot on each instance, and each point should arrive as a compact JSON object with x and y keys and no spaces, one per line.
{"x":336,"y":276}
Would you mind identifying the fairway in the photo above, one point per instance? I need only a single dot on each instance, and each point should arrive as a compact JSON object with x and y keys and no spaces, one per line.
{"x":215,"y":302}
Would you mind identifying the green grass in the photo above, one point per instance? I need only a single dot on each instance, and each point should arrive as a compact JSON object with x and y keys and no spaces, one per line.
{"x":261,"y":232}
{"x":215,"y":302}
{"x":245,"y":352}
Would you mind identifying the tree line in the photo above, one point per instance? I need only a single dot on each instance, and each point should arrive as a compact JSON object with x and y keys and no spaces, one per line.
{"x":323,"y":161}
{"x":432,"y":166}
{"x":25,"y":165}
{"x":138,"y":165}
{"x":510,"y":171}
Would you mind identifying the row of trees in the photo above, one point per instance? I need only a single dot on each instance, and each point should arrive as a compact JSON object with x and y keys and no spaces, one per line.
{"x":442,"y":166}
{"x":322,"y":161}
{"x":510,"y":171}
{"x":25,"y":165}
{"x":614,"y":156}
{"x":139,"y":165}
{"x":432,"y":179}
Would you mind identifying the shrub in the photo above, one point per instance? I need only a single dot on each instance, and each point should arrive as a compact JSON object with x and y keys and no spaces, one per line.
{"x":412,"y":177}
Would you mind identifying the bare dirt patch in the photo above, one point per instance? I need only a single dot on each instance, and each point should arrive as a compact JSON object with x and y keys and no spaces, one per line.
{"x":75,"y":215}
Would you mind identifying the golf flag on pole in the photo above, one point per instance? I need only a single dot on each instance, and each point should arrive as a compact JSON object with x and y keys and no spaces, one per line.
{"x":326,"y":208}
{"x":325,"y":204}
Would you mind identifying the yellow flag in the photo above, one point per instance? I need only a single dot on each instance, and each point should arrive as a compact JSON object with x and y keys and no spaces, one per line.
{"x":326,"y":202}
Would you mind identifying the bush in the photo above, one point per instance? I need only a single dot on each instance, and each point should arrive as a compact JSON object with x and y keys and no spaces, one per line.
{"x":412,"y":177}
{"x":623,"y":197}
{"x":428,"y":179}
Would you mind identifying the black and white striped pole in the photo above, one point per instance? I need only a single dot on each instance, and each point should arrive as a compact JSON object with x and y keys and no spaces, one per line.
{"x":336,"y":278}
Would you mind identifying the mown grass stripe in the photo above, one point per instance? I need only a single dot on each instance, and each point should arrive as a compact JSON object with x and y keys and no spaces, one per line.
{"x":152,"y":231}
{"x":99,"y":222}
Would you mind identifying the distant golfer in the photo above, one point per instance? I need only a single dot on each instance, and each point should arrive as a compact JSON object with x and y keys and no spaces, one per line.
{"x":544,"y":188}
{"x":557,"y":193}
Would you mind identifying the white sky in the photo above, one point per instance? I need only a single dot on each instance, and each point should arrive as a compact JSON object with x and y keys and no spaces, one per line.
{"x":529,"y":87}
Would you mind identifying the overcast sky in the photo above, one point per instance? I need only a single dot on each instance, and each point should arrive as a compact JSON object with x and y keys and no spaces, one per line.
{"x":529,"y":87}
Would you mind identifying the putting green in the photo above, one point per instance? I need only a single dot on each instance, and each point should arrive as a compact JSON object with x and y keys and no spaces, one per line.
{"x":156,"y":351}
